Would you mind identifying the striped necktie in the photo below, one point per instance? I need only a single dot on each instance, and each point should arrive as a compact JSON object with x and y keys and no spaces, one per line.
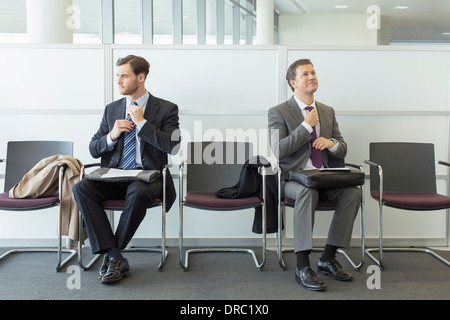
{"x":129,"y":147}
{"x":316,"y":157}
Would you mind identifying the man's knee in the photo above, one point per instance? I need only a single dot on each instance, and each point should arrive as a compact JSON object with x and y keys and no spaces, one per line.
{"x":144,"y":190}
{"x":352,"y":195}
{"x":299,"y":192}
{"x":137,"y":187}
{"x":307,"y":193}
{"x":78,"y":188}
{"x":84,"y":188}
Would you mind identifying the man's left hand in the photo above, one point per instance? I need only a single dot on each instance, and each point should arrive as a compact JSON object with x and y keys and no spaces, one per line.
{"x":322,"y":143}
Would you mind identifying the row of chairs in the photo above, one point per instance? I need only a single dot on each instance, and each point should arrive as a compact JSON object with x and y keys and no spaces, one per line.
{"x":402,"y":175}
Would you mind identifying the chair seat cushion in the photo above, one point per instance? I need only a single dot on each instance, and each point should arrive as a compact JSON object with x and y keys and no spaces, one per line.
{"x":414,"y":201}
{"x":7,"y":203}
{"x":209,"y":200}
{"x":321,"y":205}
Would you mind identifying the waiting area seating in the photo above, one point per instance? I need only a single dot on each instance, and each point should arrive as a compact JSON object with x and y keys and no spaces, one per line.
{"x":111,"y":206}
{"x":209,"y":167}
{"x":21,"y":157}
{"x":403,"y":176}
{"x":323,"y":205}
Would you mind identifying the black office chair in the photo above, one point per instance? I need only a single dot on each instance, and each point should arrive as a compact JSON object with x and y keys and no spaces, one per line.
{"x":21,"y":157}
{"x":204,"y":177}
{"x":117,"y":205}
{"x":402,"y":176}
{"x":322,"y":205}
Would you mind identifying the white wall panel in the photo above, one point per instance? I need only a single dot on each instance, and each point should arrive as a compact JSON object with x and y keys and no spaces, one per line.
{"x":51,"y":77}
{"x":380,"y":80}
{"x":211,"y":79}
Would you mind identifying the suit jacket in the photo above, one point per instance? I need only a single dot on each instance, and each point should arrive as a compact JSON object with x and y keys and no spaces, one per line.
{"x":249,"y":184}
{"x":156,"y":138}
{"x":291,"y":142}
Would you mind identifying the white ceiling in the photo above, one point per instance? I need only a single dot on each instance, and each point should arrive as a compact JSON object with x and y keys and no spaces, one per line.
{"x":424,"y":21}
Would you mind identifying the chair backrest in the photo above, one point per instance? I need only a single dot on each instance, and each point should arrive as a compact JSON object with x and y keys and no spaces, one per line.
{"x":21,"y":156}
{"x":407,"y":167}
{"x":214,"y":165}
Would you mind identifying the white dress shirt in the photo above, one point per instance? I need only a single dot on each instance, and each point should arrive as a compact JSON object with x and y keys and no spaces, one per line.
{"x":302,"y":106}
{"x":142,"y":102}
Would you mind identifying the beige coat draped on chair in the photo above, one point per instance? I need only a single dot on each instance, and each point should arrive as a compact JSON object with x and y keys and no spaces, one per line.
{"x":43,"y":180}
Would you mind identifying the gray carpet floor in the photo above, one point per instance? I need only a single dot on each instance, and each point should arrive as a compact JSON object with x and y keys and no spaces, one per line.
{"x":224,"y":276}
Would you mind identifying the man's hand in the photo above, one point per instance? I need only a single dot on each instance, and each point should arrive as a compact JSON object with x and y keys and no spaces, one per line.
{"x":121,"y":125}
{"x":322,"y":143}
{"x":136,"y":113}
{"x":312,"y":118}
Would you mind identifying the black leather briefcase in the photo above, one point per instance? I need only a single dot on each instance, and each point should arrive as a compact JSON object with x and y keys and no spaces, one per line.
{"x":327,"y":178}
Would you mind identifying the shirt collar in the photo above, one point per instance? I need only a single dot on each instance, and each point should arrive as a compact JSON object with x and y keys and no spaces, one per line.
{"x":142,"y":101}
{"x":302,"y":105}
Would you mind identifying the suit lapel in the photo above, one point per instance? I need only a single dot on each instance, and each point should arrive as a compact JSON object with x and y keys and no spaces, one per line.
{"x":120,"y":110}
{"x":151,"y":109}
{"x":120,"y":114}
{"x":323,"y":120}
{"x":294,"y":109}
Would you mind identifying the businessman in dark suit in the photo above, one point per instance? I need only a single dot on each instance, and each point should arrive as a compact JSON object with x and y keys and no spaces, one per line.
{"x":154,"y":123}
{"x":304,"y":134}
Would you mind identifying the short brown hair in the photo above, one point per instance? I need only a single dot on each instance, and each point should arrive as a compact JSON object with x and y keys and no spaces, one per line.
{"x":138,"y":64}
{"x":292,"y":70}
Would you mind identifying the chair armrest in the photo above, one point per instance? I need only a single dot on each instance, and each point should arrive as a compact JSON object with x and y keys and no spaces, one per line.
{"x":181,"y":166}
{"x":166,"y":167}
{"x":180,"y":184}
{"x":356,"y":166}
{"x":380,"y":181}
{"x":164,"y":175}
{"x":277,"y":169}
{"x":164,"y":172}
{"x":262,"y":170}
{"x":371,"y":163}
{"x":89,"y":165}
{"x":444,"y":163}
{"x":85,"y":166}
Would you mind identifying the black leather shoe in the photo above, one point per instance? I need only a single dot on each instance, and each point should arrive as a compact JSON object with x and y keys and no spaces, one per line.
{"x":308,"y":278}
{"x":333,"y":269}
{"x":117,"y":269}
{"x":104,"y":267}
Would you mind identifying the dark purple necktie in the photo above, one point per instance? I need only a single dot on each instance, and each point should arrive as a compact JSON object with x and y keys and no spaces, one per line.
{"x":316,"y":157}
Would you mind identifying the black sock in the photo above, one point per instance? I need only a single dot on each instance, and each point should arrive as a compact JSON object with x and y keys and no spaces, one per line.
{"x":329,"y":253}
{"x":114,"y":253}
{"x":302,"y":259}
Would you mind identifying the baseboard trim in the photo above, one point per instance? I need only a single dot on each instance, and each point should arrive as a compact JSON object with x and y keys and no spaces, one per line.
{"x":237,"y":242}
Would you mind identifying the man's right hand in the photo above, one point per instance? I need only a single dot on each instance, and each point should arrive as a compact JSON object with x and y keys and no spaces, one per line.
{"x":121,"y":125}
{"x":312,"y":118}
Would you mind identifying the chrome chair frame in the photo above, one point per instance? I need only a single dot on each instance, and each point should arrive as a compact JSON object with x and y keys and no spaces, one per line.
{"x":281,"y":213}
{"x":381,"y":248}
{"x":185,"y":264}
{"x":59,"y":250}
{"x":163,"y":251}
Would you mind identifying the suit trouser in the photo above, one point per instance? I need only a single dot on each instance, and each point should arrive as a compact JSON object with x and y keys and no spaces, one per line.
{"x":347,"y":200}
{"x":90,"y":194}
